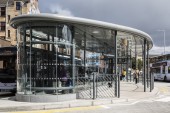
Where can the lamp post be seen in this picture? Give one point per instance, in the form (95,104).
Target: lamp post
(164,38)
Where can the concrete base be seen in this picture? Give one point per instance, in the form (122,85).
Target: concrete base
(45,98)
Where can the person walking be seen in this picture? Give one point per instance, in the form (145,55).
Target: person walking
(123,74)
(136,75)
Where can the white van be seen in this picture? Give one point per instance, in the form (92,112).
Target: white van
(161,70)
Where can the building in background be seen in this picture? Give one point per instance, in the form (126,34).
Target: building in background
(10,9)
(8,36)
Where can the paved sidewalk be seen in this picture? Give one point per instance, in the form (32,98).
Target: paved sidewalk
(129,92)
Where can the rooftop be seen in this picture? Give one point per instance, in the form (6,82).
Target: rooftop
(94,28)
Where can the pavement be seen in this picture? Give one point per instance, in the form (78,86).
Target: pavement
(129,92)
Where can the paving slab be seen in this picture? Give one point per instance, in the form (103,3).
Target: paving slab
(129,92)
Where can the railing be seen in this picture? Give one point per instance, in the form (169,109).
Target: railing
(91,87)
(95,86)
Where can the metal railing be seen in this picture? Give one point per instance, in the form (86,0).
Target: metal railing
(95,86)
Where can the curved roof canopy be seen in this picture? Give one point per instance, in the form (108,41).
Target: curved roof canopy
(94,27)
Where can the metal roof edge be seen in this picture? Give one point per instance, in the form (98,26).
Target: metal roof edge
(77,20)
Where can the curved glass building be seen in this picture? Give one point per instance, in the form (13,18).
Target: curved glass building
(57,55)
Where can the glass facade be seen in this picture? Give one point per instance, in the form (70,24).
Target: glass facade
(79,57)
(51,56)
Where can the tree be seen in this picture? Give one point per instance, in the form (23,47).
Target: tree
(139,62)
(133,63)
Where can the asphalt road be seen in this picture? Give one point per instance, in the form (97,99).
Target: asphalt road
(158,104)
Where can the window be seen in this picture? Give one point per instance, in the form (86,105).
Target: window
(9,18)
(18,5)
(169,69)
(156,70)
(163,70)
(2,37)
(2,11)
(8,33)
(2,26)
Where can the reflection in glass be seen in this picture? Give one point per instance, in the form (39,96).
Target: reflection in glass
(51,56)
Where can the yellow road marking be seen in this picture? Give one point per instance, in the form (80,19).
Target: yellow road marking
(164,90)
(61,110)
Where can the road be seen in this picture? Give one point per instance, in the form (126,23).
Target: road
(157,104)
(164,87)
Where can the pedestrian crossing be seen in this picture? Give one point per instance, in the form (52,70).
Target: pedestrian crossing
(163,94)
(163,90)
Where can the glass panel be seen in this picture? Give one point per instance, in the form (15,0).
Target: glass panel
(21,64)
(169,69)
(163,69)
(96,51)
(55,54)
(46,60)
(156,70)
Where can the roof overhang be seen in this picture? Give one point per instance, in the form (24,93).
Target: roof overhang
(16,21)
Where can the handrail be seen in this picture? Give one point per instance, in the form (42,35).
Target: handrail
(50,88)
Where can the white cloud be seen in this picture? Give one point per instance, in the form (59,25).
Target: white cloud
(156,50)
(60,10)
(148,15)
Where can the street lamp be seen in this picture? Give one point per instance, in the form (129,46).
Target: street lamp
(164,37)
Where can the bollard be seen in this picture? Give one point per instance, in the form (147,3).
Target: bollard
(93,86)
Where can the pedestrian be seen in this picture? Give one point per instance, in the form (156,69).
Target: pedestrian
(136,75)
(123,74)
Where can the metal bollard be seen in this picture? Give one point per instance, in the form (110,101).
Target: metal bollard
(93,86)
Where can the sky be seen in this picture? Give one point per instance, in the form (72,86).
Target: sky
(149,16)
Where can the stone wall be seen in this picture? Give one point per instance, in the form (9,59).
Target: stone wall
(11,10)
(4,43)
